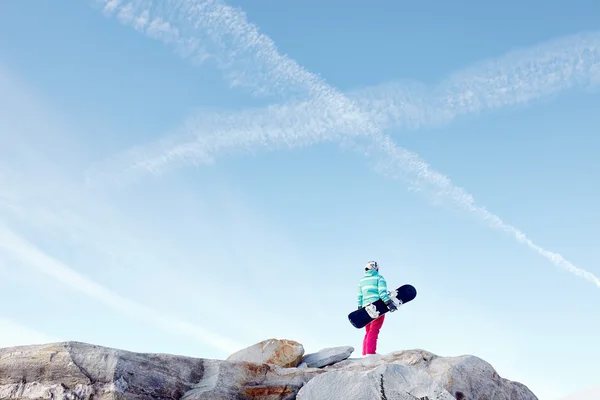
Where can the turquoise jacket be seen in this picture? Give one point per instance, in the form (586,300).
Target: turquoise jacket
(372,287)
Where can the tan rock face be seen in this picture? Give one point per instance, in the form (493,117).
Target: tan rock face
(280,352)
(84,372)
(79,371)
(226,380)
(416,373)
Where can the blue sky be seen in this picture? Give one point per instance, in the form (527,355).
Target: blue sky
(172,181)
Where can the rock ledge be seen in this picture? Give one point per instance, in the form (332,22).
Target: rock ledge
(81,371)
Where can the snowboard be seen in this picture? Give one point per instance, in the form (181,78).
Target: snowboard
(361,317)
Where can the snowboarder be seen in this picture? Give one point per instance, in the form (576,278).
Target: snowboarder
(373,287)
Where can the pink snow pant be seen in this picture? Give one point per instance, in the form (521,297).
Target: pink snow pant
(371,335)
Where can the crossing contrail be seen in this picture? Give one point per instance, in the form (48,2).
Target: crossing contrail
(202,30)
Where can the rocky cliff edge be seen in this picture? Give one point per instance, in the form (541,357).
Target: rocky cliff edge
(274,369)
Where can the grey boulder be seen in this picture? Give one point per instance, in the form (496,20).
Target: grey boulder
(327,356)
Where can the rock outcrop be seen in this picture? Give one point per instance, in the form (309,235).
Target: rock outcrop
(414,374)
(79,371)
(325,357)
(281,352)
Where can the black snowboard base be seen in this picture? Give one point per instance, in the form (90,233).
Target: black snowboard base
(363,316)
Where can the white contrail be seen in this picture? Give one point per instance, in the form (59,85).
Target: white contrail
(247,57)
(251,59)
(516,78)
(206,136)
(256,130)
(29,255)
(393,158)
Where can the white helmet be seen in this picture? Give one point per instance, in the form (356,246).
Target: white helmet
(372,265)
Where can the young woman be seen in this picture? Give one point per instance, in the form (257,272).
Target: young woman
(373,287)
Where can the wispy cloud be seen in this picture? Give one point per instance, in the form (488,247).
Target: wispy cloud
(206,136)
(202,29)
(516,78)
(395,159)
(251,59)
(27,253)
(245,133)
(248,58)
(161,256)
(513,79)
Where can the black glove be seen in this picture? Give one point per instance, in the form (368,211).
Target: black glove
(390,304)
